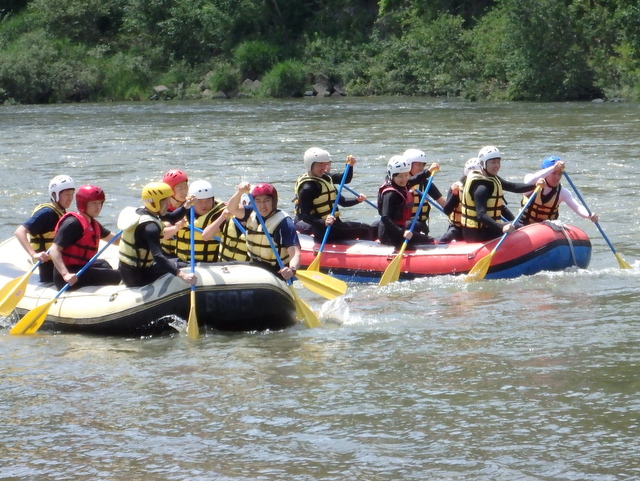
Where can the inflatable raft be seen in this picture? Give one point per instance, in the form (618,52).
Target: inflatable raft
(546,246)
(229,297)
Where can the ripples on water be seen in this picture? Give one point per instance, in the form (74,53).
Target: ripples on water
(531,378)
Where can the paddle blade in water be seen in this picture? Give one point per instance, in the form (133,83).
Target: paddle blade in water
(481,268)
(192,325)
(323,284)
(622,263)
(32,320)
(392,272)
(11,294)
(315,265)
(308,316)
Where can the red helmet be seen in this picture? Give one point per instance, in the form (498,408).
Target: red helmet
(174,177)
(88,193)
(266,189)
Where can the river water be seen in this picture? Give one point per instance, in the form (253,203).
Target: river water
(524,379)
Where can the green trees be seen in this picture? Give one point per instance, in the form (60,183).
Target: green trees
(72,50)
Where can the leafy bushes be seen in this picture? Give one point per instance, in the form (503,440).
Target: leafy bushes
(285,79)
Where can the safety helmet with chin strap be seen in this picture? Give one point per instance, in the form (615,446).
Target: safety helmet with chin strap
(174,177)
(265,189)
(397,165)
(88,193)
(315,154)
(487,153)
(549,161)
(201,189)
(58,184)
(414,155)
(472,164)
(153,193)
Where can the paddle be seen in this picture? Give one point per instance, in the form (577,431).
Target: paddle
(315,265)
(358,195)
(480,269)
(392,272)
(621,262)
(13,291)
(33,319)
(192,325)
(302,308)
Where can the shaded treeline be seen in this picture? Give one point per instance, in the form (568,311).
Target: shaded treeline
(73,50)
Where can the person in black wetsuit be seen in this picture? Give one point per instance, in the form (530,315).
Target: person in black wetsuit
(315,195)
(142,259)
(483,204)
(395,205)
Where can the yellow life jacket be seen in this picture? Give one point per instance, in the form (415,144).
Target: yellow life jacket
(234,243)
(426,206)
(128,252)
(204,251)
(42,242)
(258,245)
(324,202)
(169,245)
(543,207)
(469,216)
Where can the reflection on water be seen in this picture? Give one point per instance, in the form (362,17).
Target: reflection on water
(529,378)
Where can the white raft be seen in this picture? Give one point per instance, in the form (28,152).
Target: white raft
(229,297)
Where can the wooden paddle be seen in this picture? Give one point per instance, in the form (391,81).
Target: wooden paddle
(621,262)
(192,325)
(13,291)
(392,272)
(480,269)
(315,265)
(33,319)
(302,308)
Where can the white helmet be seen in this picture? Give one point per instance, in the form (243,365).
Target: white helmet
(58,184)
(201,189)
(487,153)
(472,164)
(315,154)
(397,165)
(414,155)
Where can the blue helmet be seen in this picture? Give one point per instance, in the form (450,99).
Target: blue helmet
(549,161)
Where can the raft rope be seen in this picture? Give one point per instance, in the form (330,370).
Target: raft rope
(560,227)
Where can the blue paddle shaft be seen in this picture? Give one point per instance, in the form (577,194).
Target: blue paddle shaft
(335,205)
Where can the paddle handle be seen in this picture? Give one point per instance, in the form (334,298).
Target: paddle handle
(335,205)
(267,235)
(358,195)
(575,189)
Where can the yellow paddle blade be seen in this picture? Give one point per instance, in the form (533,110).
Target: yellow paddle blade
(315,265)
(11,294)
(309,318)
(323,284)
(622,263)
(192,325)
(392,272)
(481,268)
(32,320)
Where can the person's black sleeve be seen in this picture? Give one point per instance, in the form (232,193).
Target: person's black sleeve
(481,196)
(307,192)
(451,203)
(150,236)
(391,202)
(516,187)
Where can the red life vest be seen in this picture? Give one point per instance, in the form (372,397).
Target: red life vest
(407,194)
(86,247)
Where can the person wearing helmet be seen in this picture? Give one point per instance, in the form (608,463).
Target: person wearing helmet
(279,225)
(482,199)
(141,258)
(207,210)
(233,242)
(395,206)
(179,183)
(452,206)
(76,241)
(315,195)
(417,182)
(546,204)
(36,233)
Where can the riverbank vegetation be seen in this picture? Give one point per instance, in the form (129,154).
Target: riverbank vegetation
(101,50)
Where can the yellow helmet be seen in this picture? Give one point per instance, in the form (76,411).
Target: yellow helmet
(153,193)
